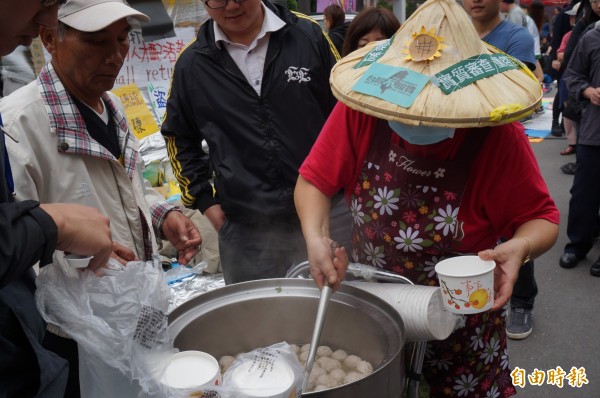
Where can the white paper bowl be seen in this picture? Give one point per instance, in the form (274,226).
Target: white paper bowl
(77,260)
(467,284)
(191,370)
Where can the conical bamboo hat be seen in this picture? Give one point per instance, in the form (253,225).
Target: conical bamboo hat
(460,82)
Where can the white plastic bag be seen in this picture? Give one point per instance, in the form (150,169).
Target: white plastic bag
(273,372)
(119,318)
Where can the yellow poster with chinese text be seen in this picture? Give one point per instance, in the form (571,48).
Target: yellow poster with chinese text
(138,115)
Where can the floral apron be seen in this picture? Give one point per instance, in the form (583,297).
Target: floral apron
(405,212)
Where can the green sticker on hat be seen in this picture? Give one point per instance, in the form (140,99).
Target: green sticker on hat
(374,54)
(472,69)
(397,85)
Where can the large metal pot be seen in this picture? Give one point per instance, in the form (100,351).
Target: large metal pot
(245,316)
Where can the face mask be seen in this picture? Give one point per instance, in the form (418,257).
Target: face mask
(421,135)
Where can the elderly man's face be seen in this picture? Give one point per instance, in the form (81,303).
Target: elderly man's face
(20,22)
(88,63)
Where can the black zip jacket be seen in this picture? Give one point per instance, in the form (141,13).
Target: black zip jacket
(27,235)
(337,36)
(256,143)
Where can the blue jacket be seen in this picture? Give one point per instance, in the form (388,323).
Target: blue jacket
(27,235)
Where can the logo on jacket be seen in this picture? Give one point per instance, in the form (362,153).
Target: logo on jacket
(296,74)
(84,190)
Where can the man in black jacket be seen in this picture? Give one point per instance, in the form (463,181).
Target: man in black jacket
(583,81)
(255,85)
(29,233)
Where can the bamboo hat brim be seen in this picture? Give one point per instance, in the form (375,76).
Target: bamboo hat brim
(440,44)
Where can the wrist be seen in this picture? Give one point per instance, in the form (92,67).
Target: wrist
(528,250)
(55,215)
(49,230)
(315,237)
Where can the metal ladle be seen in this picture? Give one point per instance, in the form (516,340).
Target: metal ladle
(319,321)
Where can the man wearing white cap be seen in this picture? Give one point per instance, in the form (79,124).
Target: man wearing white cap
(29,234)
(74,145)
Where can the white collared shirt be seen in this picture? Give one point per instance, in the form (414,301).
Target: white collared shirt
(251,59)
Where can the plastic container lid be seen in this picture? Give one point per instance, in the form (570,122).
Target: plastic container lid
(264,379)
(77,260)
(188,369)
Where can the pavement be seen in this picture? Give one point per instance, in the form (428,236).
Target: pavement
(566,313)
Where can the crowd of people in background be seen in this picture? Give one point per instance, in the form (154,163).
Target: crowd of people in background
(369,25)
(568,60)
(579,79)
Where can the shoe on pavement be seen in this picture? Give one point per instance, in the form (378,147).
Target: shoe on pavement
(519,324)
(568,168)
(557,129)
(569,150)
(595,270)
(570,260)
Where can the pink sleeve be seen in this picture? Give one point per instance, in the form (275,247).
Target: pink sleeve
(338,154)
(563,43)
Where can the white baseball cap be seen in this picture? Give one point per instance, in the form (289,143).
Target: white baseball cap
(95,15)
(573,11)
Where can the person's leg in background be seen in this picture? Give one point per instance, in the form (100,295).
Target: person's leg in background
(557,129)
(539,74)
(520,319)
(571,137)
(67,349)
(569,168)
(571,120)
(262,248)
(582,223)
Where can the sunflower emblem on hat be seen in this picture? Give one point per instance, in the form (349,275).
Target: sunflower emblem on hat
(424,46)
(436,72)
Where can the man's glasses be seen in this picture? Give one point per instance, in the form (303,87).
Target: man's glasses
(52,3)
(217,3)
(594,2)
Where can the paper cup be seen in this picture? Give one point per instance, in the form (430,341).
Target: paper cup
(77,260)
(264,380)
(420,307)
(467,284)
(192,370)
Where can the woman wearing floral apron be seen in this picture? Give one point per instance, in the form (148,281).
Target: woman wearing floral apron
(421,194)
